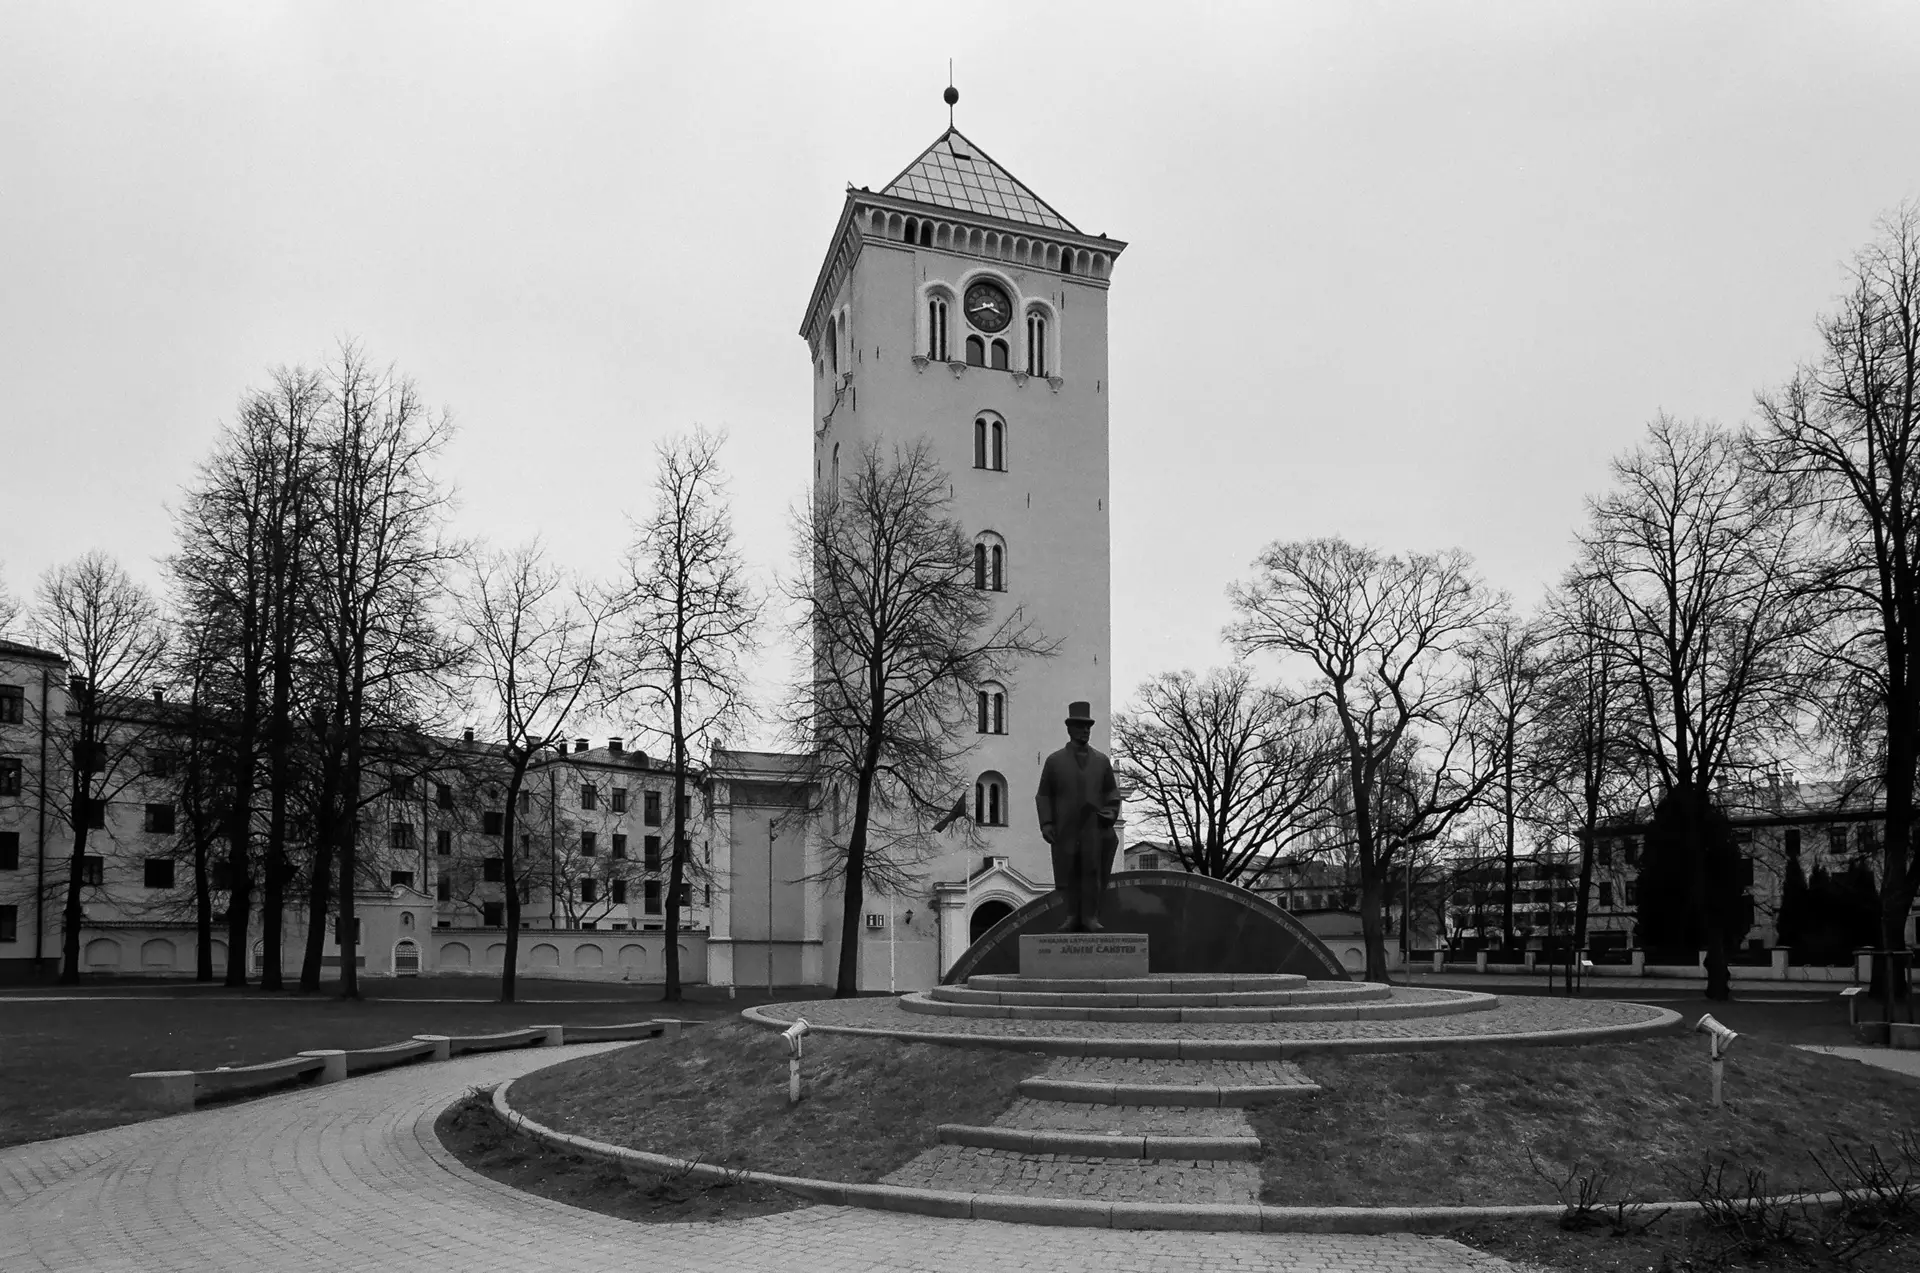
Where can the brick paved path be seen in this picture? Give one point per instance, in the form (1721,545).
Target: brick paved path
(352,1177)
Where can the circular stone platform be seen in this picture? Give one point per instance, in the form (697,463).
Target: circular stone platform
(1466,1019)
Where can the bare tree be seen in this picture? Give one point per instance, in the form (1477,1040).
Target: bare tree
(900,636)
(536,643)
(1232,774)
(1510,658)
(1848,424)
(376,561)
(1697,547)
(689,615)
(110,632)
(1384,639)
(9,607)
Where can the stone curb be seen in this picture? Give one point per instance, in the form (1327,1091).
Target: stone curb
(1019,1140)
(1212,1217)
(1242,1049)
(1197,1095)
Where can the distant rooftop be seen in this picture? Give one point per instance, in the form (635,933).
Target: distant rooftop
(20,651)
(954,173)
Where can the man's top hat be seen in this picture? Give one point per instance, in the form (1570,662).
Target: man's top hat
(1080,713)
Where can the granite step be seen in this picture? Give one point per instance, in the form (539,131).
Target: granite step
(1167,983)
(1125,1084)
(1389,1009)
(1337,992)
(1021,1140)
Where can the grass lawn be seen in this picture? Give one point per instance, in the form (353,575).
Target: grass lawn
(64,1063)
(1456,1127)
(720,1095)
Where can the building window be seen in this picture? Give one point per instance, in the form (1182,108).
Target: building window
(650,848)
(9,850)
(976,352)
(443,888)
(402,787)
(650,897)
(589,890)
(9,776)
(9,923)
(400,836)
(619,892)
(1147,862)
(96,814)
(997,355)
(619,795)
(686,810)
(493,914)
(160,764)
(937,328)
(443,842)
(13,699)
(399,878)
(443,795)
(589,798)
(491,822)
(989,564)
(1633,893)
(990,703)
(833,345)
(492,870)
(159,872)
(1632,854)
(990,800)
(619,845)
(526,801)
(589,844)
(159,819)
(1793,842)
(707,894)
(650,811)
(990,444)
(684,898)
(1037,344)
(1606,893)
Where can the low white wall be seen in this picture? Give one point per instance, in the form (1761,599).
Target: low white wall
(565,953)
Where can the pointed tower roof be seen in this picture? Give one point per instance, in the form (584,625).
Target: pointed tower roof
(955,173)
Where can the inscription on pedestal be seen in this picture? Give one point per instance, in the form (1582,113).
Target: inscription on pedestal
(1058,955)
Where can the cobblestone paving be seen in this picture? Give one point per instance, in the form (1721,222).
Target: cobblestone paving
(1512,1015)
(965,1169)
(352,1177)
(1129,1069)
(1124,1120)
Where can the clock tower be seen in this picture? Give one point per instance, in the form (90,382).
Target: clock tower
(957,306)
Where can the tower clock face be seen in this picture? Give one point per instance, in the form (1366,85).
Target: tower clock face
(988,307)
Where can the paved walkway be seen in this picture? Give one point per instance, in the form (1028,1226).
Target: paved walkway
(1900,1060)
(351,1176)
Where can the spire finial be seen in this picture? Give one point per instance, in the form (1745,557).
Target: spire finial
(952,94)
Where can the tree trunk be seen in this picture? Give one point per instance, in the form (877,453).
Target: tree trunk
(510,874)
(1897,887)
(203,914)
(347,939)
(239,902)
(320,882)
(847,982)
(676,872)
(74,915)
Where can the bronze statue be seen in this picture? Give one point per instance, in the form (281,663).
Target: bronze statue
(1079,803)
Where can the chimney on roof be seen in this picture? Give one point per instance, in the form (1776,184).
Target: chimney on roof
(579,744)
(157,696)
(616,745)
(468,735)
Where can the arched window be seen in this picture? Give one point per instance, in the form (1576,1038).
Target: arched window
(999,360)
(990,800)
(833,345)
(937,327)
(990,708)
(990,443)
(926,234)
(836,467)
(976,352)
(1037,344)
(989,563)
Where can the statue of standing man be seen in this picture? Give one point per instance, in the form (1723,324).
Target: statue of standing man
(1079,803)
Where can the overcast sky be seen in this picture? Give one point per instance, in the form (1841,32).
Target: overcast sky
(1405,273)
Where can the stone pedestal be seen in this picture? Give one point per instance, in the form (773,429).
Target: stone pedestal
(1083,955)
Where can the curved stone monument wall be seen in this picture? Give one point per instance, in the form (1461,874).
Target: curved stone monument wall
(1193,925)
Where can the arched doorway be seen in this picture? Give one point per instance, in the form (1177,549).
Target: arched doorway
(985,916)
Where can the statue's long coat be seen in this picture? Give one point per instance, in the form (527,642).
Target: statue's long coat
(1079,802)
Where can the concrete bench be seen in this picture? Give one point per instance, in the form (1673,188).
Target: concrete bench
(461,1044)
(179,1089)
(668,1028)
(367,1060)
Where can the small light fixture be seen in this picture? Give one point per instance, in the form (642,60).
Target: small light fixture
(909,917)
